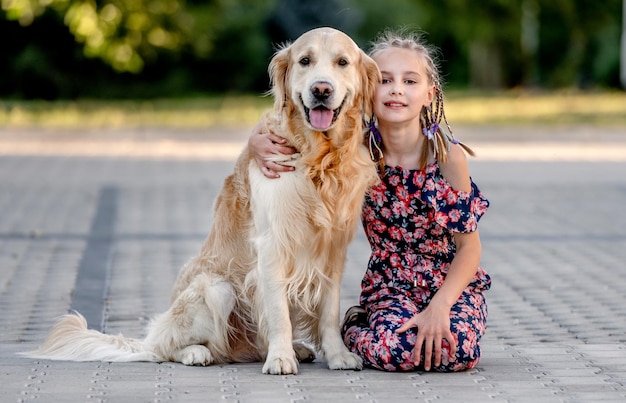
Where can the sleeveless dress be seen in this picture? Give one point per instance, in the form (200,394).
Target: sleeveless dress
(410,218)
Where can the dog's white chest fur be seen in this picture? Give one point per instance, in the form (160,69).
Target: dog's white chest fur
(282,208)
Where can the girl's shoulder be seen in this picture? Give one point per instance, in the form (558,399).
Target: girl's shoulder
(449,189)
(455,169)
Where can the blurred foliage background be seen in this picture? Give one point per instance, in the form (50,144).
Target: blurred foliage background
(133,49)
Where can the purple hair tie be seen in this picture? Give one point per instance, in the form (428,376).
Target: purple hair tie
(430,132)
(374,130)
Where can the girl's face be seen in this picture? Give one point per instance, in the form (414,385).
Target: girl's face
(405,87)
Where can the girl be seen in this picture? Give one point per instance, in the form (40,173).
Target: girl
(421,304)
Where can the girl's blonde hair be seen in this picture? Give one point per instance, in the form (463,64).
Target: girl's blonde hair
(431,116)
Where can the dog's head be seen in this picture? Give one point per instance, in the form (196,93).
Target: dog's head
(321,74)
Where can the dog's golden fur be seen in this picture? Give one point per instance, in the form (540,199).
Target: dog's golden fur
(269,273)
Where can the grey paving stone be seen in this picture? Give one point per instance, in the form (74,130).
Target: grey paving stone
(554,241)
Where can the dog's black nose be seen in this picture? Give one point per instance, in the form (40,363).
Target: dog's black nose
(321,90)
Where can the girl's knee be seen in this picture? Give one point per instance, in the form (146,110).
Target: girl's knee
(393,360)
(405,362)
(464,359)
(396,357)
(458,365)
(387,351)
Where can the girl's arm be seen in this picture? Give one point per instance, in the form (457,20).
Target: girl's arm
(434,322)
(263,146)
(468,247)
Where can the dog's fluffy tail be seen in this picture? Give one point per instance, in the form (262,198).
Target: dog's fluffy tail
(71,340)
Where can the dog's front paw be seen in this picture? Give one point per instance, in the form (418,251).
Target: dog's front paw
(345,360)
(280,366)
(195,355)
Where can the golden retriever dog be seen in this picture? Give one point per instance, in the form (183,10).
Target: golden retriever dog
(266,283)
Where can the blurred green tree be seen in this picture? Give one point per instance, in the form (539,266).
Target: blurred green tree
(579,42)
(125,48)
(127,33)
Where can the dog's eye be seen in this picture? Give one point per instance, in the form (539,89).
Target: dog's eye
(342,62)
(305,61)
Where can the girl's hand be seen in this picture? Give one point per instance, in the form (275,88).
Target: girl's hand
(433,326)
(266,149)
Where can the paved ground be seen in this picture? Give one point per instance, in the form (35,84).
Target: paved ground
(118,212)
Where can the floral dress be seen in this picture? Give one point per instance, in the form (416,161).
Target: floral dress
(409,219)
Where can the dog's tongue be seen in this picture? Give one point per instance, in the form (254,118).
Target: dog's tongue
(321,118)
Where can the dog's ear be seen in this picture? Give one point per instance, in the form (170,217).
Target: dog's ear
(278,69)
(370,77)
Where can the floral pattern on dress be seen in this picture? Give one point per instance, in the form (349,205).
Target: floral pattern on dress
(410,219)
